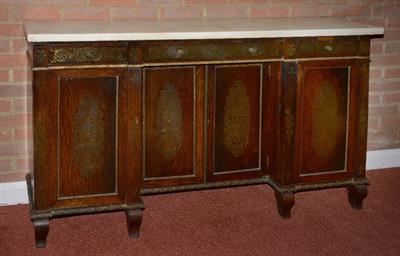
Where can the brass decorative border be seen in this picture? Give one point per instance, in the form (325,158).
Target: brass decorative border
(262,180)
(189,63)
(323,185)
(80,67)
(326,46)
(211,49)
(221,184)
(90,54)
(149,191)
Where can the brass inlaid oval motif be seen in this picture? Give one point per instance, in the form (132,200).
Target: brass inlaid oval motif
(169,122)
(237,119)
(88,137)
(325,120)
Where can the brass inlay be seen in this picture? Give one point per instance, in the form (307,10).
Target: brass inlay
(175,52)
(305,187)
(40,57)
(324,120)
(185,63)
(237,119)
(88,137)
(326,46)
(87,54)
(169,122)
(213,51)
(265,179)
(50,213)
(209,185)
(291,49)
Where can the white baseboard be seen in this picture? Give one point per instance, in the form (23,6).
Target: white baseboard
(381,159)
(15,192)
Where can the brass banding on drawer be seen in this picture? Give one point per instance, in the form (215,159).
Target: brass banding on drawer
(324,47)
(212,50)
(81,54)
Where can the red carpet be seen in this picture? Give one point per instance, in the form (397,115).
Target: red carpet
(234,221)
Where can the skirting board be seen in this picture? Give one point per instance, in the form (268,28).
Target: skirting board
(382,159)
(15,192)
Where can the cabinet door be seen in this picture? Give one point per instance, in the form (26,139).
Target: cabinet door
(87,153)
(325,120)
(173,103)
(239,120)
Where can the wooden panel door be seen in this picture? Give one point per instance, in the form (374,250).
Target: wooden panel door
(88,156)
(239,120)
(173,103)
(325,120)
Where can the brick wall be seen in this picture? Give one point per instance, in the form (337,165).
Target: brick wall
(15,95)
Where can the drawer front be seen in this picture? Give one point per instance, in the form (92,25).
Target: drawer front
(80,54)
(215,50)
(317,47)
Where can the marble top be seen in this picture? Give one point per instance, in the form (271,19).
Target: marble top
(128,30)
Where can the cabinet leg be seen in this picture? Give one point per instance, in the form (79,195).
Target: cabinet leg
(284,201)
(134,220)
(41,231)
(356,195)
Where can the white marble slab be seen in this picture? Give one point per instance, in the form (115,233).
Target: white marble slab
(124,30)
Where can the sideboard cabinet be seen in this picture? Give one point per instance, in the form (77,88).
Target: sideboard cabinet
(117,118)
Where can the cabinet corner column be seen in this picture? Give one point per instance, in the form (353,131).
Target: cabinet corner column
(287,111)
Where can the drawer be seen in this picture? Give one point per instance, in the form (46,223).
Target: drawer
(65,54)
(208,50)
(325,47)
